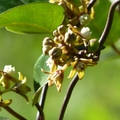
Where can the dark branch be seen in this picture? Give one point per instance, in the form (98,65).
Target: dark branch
(40,114)
(43,96)
(40,106)
(68,95)
(91,4)
(108,24)
(11,111)
(115,49)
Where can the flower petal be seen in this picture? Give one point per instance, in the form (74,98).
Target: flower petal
(72,73)
(81,74)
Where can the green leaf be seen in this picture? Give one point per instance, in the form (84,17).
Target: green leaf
(76,2)
(97,25)
(33,18)
(40,78)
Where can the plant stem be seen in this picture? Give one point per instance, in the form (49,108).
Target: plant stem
(14,113)
(40,114)
(40,106)
(115,49)
(4,91)
(68,95)
(90,5)
(108,24)
(43,96)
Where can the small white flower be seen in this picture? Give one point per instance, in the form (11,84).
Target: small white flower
(9,69)
(85,32)
(84,19)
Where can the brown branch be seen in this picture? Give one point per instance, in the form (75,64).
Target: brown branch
(108,24)
(40,105)
(115,49)
(11,111)
(67,97)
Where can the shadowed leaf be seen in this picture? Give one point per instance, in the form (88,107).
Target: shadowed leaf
(40,78)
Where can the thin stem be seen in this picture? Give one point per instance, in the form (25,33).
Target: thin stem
(40,106)
(68,95)
(14,113)
(43,96)
(4,91)
(115,49)
(108,23)
(90,5)
(40,114)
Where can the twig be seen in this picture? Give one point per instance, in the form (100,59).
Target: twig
(115,49)
(67,97)
(108,24)
(40,106)
(40,114)
(14,113)
(43,96)
(90,5)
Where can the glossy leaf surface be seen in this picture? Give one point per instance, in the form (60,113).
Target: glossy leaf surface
(33,18)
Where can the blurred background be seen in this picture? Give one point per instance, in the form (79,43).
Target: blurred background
(95,97)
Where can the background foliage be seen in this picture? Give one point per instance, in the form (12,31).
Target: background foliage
(95,97)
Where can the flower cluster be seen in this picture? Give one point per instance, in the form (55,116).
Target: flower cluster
(72,45)
(10,83)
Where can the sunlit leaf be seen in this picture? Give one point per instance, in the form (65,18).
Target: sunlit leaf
(33,18)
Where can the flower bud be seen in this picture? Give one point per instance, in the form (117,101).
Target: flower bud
(55,53)
(46,49)
(57,40)
(55,33)
(48,41)
(93,45)
(69,37)
(84,19)
(85,32)
(61,29)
